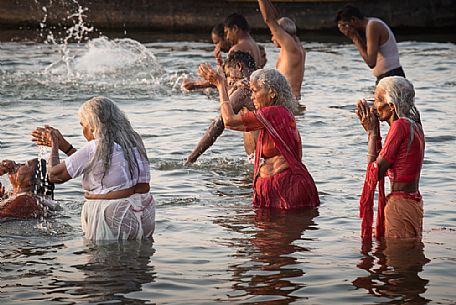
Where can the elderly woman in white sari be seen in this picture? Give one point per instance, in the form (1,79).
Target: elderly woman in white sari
(115,170)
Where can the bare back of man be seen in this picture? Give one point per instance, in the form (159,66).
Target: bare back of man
(291,63)
(292,56)
(248,45)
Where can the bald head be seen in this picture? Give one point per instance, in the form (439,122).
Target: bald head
(288,25)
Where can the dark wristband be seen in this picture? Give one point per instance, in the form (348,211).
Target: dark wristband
(68,150)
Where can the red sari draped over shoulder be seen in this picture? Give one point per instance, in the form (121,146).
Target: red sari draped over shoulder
(404,150)
(294,187)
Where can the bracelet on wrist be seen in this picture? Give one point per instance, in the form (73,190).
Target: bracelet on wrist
(68,149)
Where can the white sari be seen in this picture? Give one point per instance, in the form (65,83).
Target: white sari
(118,219)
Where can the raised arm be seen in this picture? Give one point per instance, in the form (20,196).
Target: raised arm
(230,119)
(371,125)
(41,136)
(270,17)
(268,11)
(52,137)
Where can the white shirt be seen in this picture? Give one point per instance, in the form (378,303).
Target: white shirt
(388,54)
(117,177)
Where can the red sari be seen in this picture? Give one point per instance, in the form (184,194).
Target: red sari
(294,187)
(404,150)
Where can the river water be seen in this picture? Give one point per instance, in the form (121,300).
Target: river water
(210,247)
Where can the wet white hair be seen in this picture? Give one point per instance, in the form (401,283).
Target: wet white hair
(274,80)
(288,25)
(400,93)
(110,125)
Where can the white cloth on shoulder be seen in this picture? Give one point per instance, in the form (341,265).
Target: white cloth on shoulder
(118,176)
(119,219)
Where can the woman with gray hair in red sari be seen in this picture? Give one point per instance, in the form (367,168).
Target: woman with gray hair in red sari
(400,214)
(281,180)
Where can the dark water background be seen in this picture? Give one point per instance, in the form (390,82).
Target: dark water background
(210,246)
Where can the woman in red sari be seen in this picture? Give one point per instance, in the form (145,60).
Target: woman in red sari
(281,180)
(400,214)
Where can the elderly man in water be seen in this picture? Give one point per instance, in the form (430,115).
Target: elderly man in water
(292,56)
(31,193)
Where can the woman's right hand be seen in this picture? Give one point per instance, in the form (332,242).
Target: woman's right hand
(47,136)
(367,117)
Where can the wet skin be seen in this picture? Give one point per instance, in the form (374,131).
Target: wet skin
(22,203)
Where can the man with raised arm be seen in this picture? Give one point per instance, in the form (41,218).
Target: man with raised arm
(292,56)
(379,50)
(237,33)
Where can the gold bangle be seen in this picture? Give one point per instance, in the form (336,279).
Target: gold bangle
(372,155)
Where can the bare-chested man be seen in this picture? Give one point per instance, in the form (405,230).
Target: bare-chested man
(292,56)
(238,67)
(221,45)
(237,33)
(31,193)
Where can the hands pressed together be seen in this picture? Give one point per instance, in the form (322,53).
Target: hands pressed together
(47,136)
(348,30)
(214,76)
(367,117)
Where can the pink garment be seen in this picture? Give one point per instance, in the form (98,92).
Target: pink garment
(294,187)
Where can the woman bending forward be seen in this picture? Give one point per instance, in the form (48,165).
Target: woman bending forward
(115,171)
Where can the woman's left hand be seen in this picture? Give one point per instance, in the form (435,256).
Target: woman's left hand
(47,136)
(367,117)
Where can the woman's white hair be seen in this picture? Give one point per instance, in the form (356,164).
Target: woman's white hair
(274,80)
(110,125)
(399,93)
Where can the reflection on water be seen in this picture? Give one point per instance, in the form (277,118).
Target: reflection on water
(272,267)
(393,268)
(241,257)
(112,271)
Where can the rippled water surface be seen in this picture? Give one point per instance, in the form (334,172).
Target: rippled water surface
(210,246)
